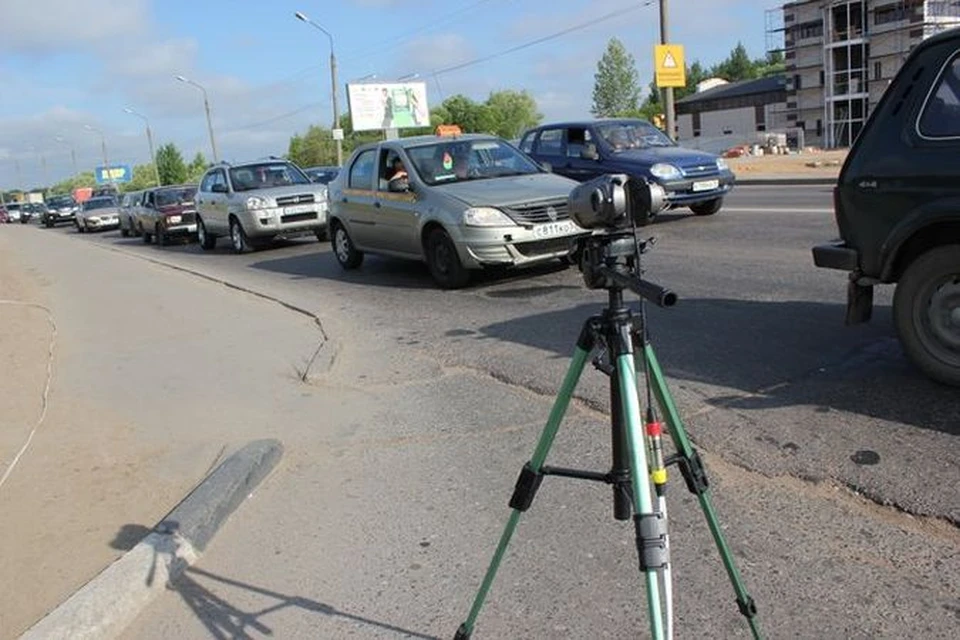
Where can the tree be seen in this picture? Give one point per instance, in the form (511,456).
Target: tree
(616,88)
(196,168)
(513,113)
(738,66)
(170,165)
(315,147)
(84,179)
(144,177)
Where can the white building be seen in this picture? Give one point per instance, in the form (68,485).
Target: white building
(841,55)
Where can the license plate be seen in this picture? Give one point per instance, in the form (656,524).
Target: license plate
(553,229)
(706,185)
(174,219)
(301,208)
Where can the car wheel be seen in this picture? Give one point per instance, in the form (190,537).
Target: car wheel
(124,232)
(206,241)
(444,262)
(238,237)
(147,237)
(79,227)
(48,225)
(321,235)
(161,236)
(707,208)
(926,312)
(343,248)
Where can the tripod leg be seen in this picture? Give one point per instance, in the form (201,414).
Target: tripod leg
(530,476)
(695,475)
(650,527)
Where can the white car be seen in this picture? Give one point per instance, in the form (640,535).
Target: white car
(13,211)
(96,214)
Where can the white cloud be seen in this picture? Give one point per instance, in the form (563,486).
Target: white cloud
(53,26)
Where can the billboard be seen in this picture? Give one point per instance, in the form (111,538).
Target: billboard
(388,105)
(113,173)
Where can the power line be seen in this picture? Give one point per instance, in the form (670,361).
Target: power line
(553,36)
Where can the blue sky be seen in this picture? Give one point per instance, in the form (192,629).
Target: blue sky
(69,63)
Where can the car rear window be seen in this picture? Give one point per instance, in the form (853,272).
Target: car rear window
(174,196)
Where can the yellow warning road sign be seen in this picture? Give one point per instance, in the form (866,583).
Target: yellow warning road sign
(670,68)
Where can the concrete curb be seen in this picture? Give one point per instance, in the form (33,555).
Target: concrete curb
(106,605)
(786,181)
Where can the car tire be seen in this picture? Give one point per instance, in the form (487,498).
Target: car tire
(926,306)
(321,235)
(147,237)
(160,236)
(79,226)
(238,237)
(48,225)
(444,262)
(124,232)
(206,241)
(343,248)
(707,208)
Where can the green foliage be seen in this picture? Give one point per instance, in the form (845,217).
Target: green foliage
(315,147)
(616,88)
(144,177)
(84,179)
(505,113)
(170,164)
(196,168)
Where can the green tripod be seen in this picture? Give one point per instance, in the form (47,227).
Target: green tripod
(622,336)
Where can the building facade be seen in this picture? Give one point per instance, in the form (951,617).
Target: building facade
(842,54)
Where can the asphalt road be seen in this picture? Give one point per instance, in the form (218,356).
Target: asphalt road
(835,463)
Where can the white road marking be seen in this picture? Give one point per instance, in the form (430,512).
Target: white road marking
(777,209)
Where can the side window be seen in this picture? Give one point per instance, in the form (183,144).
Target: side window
(207,182)
(551,142)
(577,137)
(362,170)
(219,177)
(526,145)
(941,113)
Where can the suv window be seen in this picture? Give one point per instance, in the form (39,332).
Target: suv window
(362,170)
(208,180)
(941,113)
(266,175)
(526,145)
(577,137)
(551,142)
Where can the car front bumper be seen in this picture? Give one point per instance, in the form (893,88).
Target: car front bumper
(836,255)
(181,229)
(278,222)
(693,191)
(480,247)
(101,223)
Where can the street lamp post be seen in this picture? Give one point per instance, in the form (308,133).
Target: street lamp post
(73,154)
(206,107)
(103,148)
(333,83)
(153,156)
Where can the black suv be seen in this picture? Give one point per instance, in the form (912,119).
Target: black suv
(897,204)
(585,150)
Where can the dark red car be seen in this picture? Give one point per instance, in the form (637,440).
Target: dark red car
(168,212)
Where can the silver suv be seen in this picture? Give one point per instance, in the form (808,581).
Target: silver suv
(255,202)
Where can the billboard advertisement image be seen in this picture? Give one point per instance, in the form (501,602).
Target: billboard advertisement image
(386,105)
(113,173)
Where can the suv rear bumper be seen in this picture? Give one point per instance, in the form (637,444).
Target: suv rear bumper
(836,255)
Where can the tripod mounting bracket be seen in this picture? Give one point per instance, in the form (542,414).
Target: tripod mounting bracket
(526,488)
(652,541)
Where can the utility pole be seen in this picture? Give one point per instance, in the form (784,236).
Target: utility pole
(333,83)
(668,111)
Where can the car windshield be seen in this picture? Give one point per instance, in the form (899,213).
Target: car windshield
(322,176)
(99,203)
(622,136)
(266,176)
(13,206)
(61,201)
(174,196)
(459,160)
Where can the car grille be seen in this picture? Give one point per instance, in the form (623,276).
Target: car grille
(700,170)
(539,212)
(188,217)
(544,247)
(299,217)
(303,198)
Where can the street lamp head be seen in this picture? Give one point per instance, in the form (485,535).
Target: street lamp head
(88,127)
(300,16)
(128,110)
(182,79)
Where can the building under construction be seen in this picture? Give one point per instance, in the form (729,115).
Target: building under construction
(842,54)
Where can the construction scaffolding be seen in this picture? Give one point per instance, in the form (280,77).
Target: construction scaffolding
(841,55)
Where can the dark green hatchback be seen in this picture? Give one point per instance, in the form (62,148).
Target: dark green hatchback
(897,205)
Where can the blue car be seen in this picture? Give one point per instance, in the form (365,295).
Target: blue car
(585,150)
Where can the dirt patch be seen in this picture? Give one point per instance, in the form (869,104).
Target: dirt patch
(813,164)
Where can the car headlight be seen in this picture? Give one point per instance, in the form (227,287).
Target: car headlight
(664,171)
(256,202)
(722,165)
(486,217)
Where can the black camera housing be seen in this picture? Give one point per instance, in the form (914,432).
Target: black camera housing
(615,202)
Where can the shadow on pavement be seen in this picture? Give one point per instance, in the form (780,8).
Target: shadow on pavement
(777,353)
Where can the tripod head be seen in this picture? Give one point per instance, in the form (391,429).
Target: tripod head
(611,260)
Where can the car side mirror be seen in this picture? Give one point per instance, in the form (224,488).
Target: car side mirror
(547,166)
(218,188)
(589,152)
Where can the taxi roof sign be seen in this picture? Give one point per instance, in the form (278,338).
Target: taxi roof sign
(448,130)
